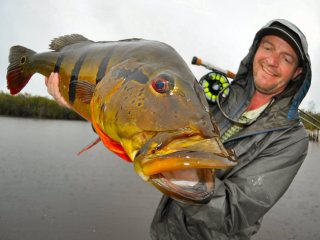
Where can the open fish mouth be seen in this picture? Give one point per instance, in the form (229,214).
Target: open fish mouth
(187,174)
(192,185)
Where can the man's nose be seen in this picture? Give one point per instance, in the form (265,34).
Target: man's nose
(273,59)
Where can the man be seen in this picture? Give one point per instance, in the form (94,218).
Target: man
(259,121)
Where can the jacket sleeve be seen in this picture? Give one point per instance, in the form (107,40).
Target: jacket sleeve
(240,200)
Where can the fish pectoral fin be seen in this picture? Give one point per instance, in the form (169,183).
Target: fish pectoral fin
(95,142)
(60,42)
(84,90)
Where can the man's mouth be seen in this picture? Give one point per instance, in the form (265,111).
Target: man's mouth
(268,71)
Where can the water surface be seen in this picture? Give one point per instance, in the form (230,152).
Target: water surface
(47,192)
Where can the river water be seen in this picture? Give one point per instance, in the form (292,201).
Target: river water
(48,192)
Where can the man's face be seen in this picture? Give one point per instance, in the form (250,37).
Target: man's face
(274,65)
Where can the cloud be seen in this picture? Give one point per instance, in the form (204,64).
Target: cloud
(218,31)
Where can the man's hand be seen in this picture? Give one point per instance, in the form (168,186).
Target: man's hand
(52,84)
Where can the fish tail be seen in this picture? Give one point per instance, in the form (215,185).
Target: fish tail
(19,72)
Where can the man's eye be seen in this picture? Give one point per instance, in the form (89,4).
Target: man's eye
(267,46)
(288,60)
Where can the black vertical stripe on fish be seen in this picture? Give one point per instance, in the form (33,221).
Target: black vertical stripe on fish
(131,74)
(139,76)
(103,66)
(74,77)
(58,62)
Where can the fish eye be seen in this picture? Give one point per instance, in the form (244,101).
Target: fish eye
(162,84)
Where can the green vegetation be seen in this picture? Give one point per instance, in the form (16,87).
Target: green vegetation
(26,105)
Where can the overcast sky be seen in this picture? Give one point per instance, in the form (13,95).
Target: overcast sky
(220,32)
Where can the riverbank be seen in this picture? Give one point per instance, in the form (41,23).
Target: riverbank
(314,135)
(28,106)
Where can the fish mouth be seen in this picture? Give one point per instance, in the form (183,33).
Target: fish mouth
(191,185)
(184,169)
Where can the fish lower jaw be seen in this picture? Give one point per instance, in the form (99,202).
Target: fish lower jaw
(143,176)
(184,176)
(194,186)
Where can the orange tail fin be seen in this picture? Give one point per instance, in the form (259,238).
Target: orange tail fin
(18,73)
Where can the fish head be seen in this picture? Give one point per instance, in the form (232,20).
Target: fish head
(161,119)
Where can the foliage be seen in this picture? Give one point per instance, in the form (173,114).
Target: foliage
(26,105)
(311,120)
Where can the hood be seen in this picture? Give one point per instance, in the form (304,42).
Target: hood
(290,99)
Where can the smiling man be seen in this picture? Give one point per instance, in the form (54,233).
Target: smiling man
(259,120)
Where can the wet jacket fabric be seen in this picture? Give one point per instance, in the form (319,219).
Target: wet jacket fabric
(270,153)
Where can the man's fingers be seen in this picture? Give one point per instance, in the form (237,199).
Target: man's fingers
(46,81)
(52,84)
(56,92)
(55,86)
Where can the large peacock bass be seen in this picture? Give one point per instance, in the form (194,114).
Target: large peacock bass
(144,103)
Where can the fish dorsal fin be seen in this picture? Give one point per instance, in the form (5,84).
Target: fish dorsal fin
(84,90)
(60,42)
